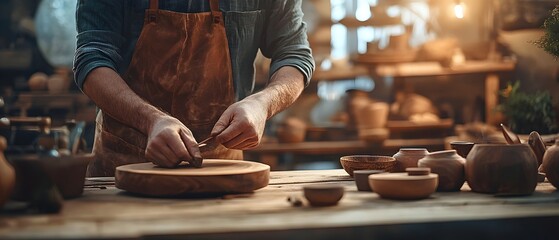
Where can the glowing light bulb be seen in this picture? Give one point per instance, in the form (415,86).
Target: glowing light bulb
(459,10)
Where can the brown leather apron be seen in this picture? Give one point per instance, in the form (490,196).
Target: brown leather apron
(181,65)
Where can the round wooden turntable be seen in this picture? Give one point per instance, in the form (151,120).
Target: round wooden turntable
(216,176)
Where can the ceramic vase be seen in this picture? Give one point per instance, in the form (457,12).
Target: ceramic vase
(7,175)
(408,157)
(356,99)
(449,166)
(550,164)
(502,169)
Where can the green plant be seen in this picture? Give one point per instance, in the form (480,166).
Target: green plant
(550,40)
(528,112)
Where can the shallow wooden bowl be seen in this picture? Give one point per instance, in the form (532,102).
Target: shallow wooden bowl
(403,186)
(367,162)
(322,195)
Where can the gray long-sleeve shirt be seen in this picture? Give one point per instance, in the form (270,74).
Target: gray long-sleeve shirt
(108,31)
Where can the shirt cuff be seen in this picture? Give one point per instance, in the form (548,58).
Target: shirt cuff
(305,68)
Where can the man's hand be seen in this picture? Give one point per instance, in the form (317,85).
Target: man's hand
(241,126)
(170,142)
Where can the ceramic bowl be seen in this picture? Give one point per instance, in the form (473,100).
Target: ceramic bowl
(362,179)
(462,147)
(367,162)
(403,186)
(66,172)
(322,195)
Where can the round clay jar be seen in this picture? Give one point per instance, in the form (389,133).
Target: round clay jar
(449,166)
(502,169)
(550,164)
(408,157)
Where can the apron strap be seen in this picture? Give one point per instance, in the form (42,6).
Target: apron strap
(152,11)
(153,4)
(214,7)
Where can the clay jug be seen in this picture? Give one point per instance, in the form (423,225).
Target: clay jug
(449,166)
(356,99)
(408,157)
(7,174)
(550,164)
(502,169)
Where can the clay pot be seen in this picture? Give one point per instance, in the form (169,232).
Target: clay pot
(408,157)
(322,195)
(66,172)
(550,164)
(502,169)
(372,115)
(292,130)
(7,175)
(367,162)
(355,100)
(462,147)
(412,185)
(448,165)
(361,178)
(38,81)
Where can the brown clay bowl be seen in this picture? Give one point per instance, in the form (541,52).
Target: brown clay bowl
(66,172)
(402,186)
(322,195)
(362,179)
(367,162)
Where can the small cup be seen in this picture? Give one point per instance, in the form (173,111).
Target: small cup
(362,179)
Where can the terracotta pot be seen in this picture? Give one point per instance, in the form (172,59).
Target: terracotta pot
(322,195)
(408,157)
(66,172)
(449,166)
(38,81)
(355,100)
(502,169)
(372,115)
(292,130)
(416,184)
(550,164)
(7,175)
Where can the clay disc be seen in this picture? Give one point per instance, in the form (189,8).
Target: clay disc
(215,177)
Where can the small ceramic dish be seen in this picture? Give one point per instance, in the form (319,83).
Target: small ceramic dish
(367,162)
(416,183)
(362,179)
(322,195)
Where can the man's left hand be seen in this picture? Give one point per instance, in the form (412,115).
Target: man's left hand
(241,126)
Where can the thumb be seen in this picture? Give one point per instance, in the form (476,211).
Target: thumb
(222,123)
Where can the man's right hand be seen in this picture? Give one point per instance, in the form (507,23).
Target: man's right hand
(170,142)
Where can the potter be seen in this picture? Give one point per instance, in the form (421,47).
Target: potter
(187,76)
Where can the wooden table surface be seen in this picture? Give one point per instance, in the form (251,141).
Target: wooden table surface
(104,212)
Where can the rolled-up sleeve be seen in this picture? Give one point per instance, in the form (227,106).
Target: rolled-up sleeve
(285,40)
(99,41)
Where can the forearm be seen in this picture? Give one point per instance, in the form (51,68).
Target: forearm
(284,87)
(112,95)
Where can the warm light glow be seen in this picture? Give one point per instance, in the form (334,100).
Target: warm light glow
(459,10)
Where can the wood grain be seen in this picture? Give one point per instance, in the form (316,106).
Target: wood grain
(106,213)
(215,176)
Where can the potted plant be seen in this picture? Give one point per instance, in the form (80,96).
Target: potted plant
(550,40)
(527,112)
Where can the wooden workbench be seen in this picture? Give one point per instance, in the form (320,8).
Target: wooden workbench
(106,212)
